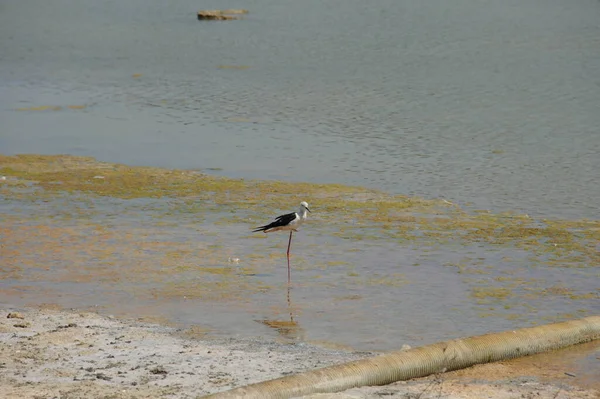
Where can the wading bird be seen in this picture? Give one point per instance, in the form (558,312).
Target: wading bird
(289,221)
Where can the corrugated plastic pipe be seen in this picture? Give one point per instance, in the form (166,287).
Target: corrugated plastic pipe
(423,361)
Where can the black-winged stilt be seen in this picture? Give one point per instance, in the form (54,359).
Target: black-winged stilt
(289,221)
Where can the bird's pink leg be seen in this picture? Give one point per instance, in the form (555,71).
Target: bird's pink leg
(288,258)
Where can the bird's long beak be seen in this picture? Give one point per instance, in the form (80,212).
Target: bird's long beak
(308,209)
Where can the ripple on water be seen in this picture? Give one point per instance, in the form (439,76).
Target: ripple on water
(497,110)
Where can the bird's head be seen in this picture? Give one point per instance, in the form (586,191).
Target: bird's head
(304,205)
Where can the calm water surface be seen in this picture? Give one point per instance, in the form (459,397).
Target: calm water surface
(488,103)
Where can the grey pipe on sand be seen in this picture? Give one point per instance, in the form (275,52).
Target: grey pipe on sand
(423,361)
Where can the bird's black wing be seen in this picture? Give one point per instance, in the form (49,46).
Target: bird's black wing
(280,221)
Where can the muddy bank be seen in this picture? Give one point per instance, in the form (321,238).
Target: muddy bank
(50,353)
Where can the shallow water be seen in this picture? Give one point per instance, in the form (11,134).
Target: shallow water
(163,260)
(481,102)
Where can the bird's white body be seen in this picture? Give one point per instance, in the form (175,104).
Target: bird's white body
(288,222)
(301,216)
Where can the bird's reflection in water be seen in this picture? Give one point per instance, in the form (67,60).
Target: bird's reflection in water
(288,329)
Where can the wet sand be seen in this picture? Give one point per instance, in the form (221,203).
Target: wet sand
(51,353)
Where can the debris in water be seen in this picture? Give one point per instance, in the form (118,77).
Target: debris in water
(220,15)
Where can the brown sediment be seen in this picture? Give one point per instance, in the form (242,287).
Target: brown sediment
(285,328)
(51,108)
(41,108)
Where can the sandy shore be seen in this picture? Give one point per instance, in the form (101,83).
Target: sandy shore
(49,353)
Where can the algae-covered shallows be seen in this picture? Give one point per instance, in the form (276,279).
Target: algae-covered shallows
(360,215)
(358,211)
